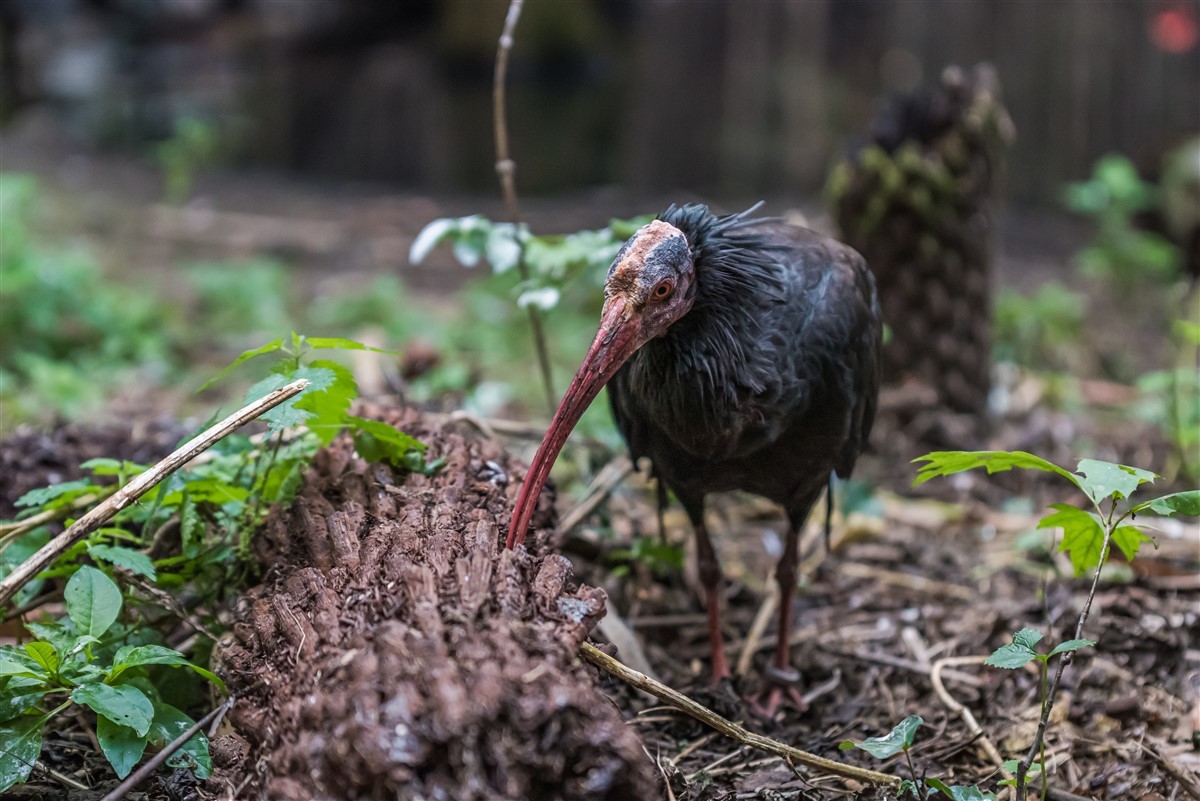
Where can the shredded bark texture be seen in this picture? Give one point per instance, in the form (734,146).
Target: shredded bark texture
(396,650)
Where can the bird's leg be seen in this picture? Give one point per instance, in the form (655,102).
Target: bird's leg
(782,678)
(710,579)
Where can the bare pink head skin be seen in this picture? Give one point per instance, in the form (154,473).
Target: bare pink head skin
(649,287)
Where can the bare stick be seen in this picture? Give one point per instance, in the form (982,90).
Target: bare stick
(727,727)
(145,771)
(608,480)
(935,678)
(506,170)
(1063,661)
(139,486)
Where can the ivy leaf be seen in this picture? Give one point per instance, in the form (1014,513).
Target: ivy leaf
(22,739)
(127,558)
(170,723)
(944,463)
(1071,645)
(271,347)
(129,656)
(124,705)
(64,493)
(93,601)
(121,745)
(1183,503)
(1105,479)
(890,744)
(1083,536)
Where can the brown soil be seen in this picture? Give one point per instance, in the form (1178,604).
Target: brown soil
(395,650)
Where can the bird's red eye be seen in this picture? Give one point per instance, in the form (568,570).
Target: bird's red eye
(663,289)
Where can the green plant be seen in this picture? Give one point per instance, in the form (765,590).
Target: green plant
(1041,330)
(66,334)
(191,146)
(1121,252)
(1018,654)
(1170,399)
(85,660)
(1088,536)
(900,739)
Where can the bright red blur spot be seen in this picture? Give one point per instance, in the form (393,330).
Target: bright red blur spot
(1174,29)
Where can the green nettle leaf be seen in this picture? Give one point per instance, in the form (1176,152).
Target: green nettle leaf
(120,744)
(93,601)
(44,654)
(170,723)
(43,496)
(21,740)
(340,343)
(285,415)
(1083,536)
(1183,503)
(890,744)
(124,705)
(1105,479)
(379,442)
(944,463)
(1028,638)
(129,656)
(271,347)
(1129,539)
(329,402)
(113,467)
(1071,645)
(1010,656)
(127,558)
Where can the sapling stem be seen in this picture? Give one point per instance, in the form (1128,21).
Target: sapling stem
(506,170)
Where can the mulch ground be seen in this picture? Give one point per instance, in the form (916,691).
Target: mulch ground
(393,650)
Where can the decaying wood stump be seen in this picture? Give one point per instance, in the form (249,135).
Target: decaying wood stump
(395,650)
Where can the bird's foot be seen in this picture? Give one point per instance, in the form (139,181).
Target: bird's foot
(782,683)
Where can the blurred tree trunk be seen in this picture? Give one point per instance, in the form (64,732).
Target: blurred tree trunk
(916,202)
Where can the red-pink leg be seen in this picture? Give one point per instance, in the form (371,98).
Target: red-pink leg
(783,679)
(710,578)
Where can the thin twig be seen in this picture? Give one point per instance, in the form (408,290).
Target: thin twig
(605,482)
(506,170)
(144,772)
(1063,661)
(61,778)
(954,705)
(139,486)
(727,727)
(1179,774)
(10,531)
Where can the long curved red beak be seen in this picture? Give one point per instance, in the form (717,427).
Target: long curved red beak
(616,340)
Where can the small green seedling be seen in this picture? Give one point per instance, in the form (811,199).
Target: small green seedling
(79,662)
(900,739)
(1019,653)
(1088,537)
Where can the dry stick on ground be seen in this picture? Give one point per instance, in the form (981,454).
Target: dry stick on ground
(139,487)
(1063,661)
(1179,774)
(145,771)
(727,727)
(605,482)
(954,705)
(506,170)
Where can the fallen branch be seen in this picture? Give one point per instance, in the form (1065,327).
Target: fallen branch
(727,727)
(139,486)
(145,771)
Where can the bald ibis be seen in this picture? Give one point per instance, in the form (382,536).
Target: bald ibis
(741,353)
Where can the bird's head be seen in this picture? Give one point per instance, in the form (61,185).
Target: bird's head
(650,285)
